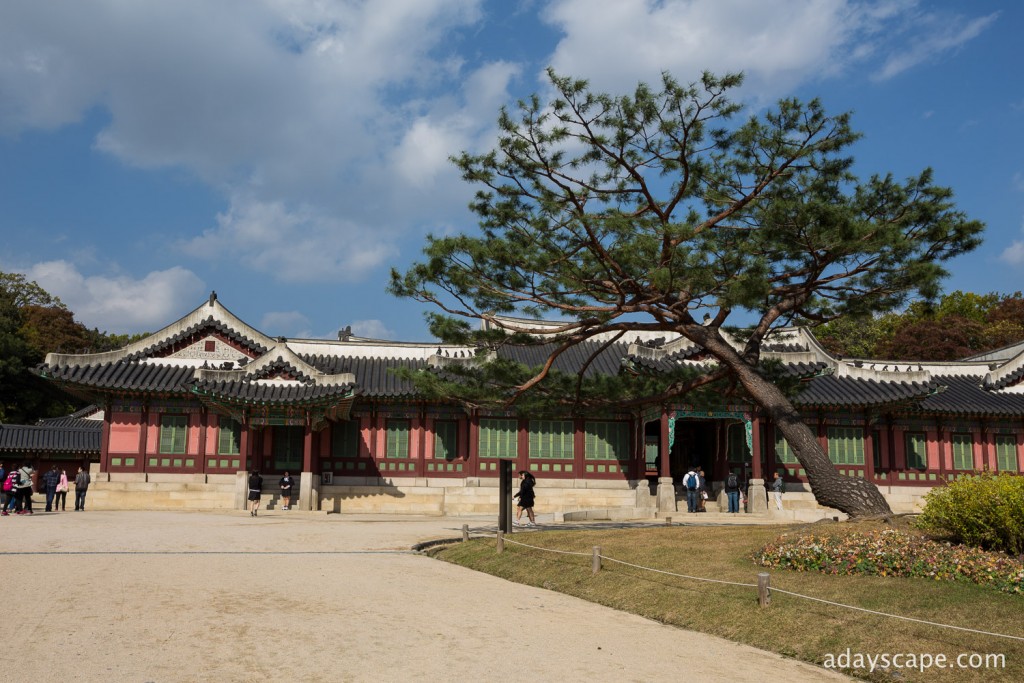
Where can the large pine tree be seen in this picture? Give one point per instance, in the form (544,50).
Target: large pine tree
(646,212)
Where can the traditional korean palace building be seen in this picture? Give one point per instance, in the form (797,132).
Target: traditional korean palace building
(188,410)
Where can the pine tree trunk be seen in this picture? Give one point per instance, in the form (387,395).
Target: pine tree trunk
(855,496)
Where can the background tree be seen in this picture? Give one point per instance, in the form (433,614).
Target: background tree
(959,325)
(644,212)
(33,323)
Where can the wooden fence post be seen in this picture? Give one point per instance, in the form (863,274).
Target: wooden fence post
(465,533)
(764,589)
(595,562)
(501,541)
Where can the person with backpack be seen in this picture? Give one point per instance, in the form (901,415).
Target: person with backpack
(10,489)
(732,490)
(691,482)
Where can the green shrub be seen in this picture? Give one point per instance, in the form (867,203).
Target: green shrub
(985,511)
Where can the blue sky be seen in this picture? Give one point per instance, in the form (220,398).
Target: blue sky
(288,153)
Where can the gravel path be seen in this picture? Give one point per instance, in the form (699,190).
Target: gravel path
(292,596)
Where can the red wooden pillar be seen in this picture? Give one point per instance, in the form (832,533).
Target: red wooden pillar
(755,461)
(204,418)
(243,448)
(144,437)
(869,450)
(105,440)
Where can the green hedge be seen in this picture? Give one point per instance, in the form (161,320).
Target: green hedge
(985,511)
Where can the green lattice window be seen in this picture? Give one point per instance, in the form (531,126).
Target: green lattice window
(288,445)
(963,451)
(499,438)
(397,438)
(736,439)
(446,439)
(607,441)
(917,453)
(783,451)
(173,434)
(229,437)
(846,445)
(1006,452)
(551,439)
(345,439)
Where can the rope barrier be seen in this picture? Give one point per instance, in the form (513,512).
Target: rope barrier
(777,590)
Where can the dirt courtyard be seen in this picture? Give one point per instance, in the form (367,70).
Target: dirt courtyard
(293,596)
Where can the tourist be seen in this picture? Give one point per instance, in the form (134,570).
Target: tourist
(691,484)
(24,490)
(10,490)
(50,481)
(286,491)
(702,487)
(777,488)
(61,500)
(526,498)
(82,481)
(732,491)
(255,492)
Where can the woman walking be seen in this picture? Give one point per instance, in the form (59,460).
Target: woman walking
(255,492)
(526,498)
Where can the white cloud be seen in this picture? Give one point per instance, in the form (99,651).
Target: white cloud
(120,303)
(371,329)
(778,44)
(285,323)
(1013,254)
(299,244)
(940,34)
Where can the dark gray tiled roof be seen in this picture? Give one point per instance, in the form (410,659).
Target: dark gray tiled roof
(829,390)
(965,396)
(50,439)
(271,393)
(374,376)
(123,375)
(607,362)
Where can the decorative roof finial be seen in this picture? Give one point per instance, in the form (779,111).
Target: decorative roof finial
(213,297)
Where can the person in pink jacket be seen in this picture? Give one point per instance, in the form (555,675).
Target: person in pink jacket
(60,501)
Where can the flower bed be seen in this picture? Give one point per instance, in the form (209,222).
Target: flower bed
(894,553)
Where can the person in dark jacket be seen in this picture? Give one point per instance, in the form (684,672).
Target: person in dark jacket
(286,484)
(50,480)
(732,490)
(525,496)
(82,481)
(255,492)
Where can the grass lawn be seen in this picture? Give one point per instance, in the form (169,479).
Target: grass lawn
(807,630)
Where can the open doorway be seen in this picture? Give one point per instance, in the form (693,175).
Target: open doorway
(695,445)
